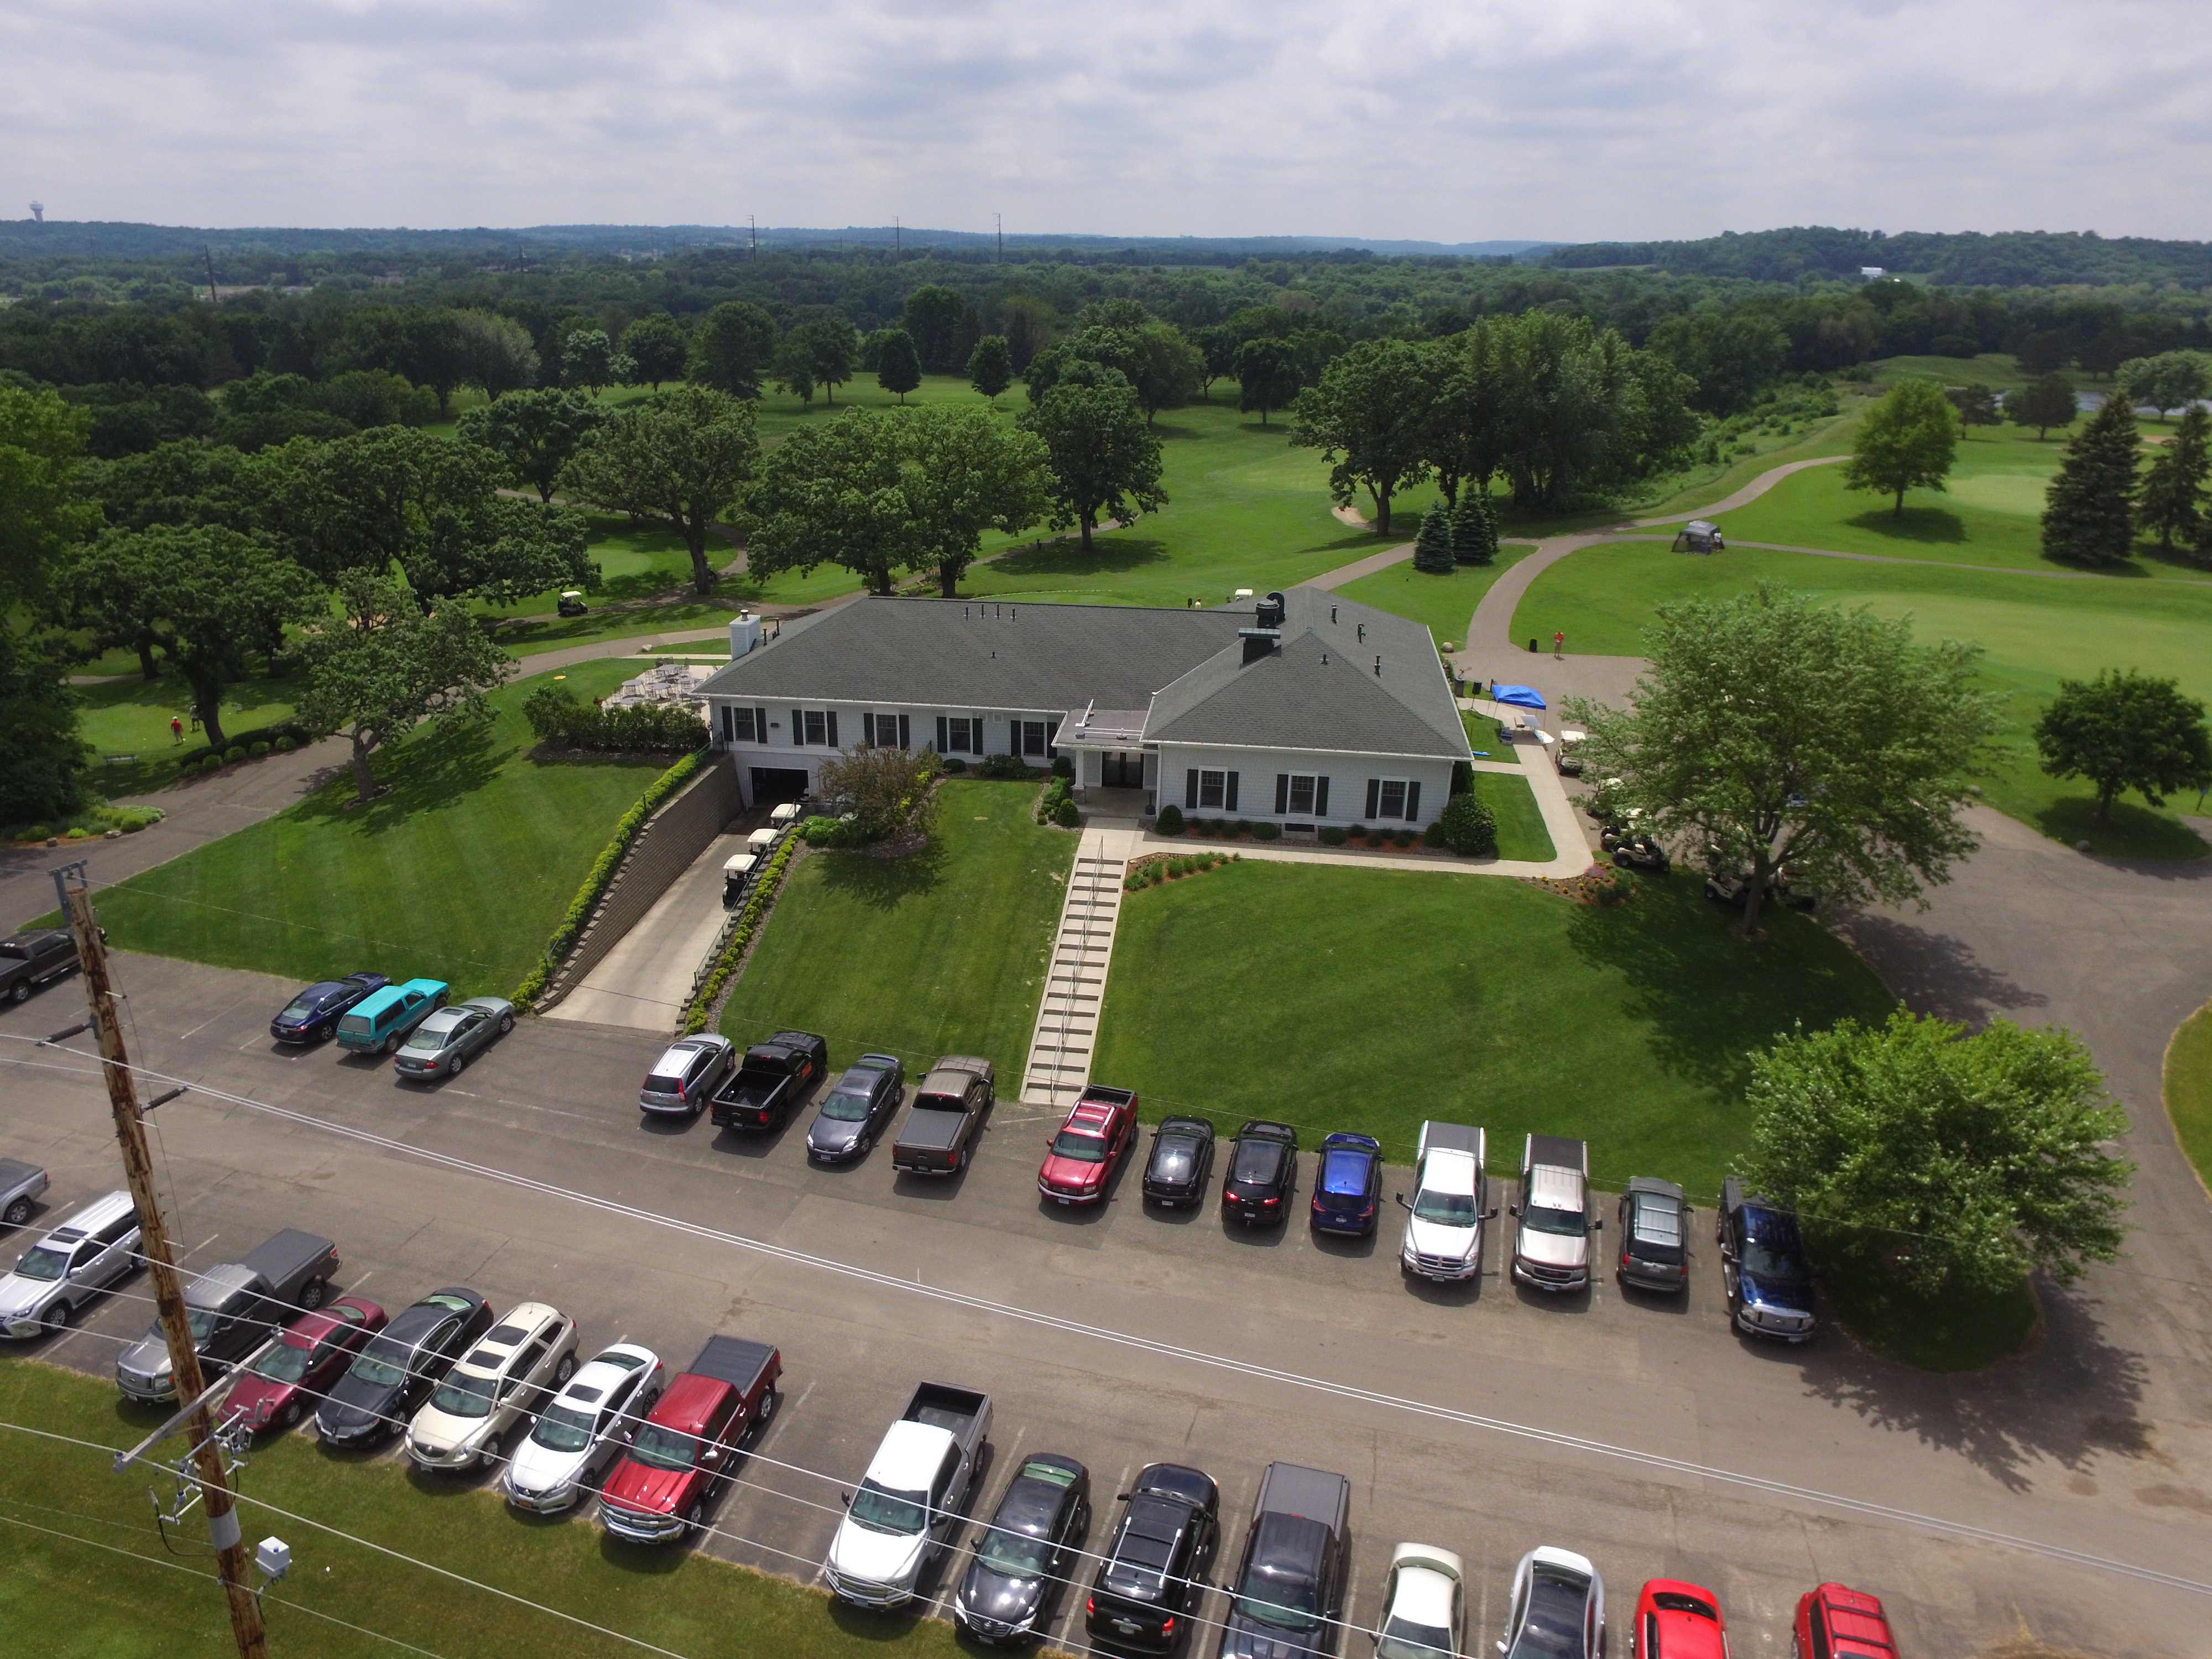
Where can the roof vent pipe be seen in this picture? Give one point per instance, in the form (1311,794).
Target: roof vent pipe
(1270,611)
(1378,668)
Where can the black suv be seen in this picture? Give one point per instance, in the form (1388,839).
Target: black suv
(1763,1267)
(1152,1575)
(1263,1174)
(31,959)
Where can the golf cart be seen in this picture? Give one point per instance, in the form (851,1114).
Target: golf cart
(737,876)
(1635,852)
(572,603)
(1568,761)
(1699,536)
(1729,890)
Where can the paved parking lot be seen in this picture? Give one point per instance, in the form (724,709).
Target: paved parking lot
(1121,1337)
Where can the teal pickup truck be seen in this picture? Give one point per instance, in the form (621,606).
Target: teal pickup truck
(381,1020)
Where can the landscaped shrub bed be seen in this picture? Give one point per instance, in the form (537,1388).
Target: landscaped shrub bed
(561,719)
(1156,867)
(733,950)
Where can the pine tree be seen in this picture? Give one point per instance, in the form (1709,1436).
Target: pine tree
(1432,549)
(2172,500)
(1474,529)
(2088,515)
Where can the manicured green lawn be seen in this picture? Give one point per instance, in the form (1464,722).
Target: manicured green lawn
(1521,832)
(1443,604)
(1997,370)
(459,873)
(2189,1089)
(88,1602)
(127,723)
(942,952)
(1341,998)
(2036,629)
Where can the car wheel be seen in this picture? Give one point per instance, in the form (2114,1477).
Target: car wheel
(289,1417)
(454,1068)
(564,1371)
(491,1449)
(19,1213)
(388,1044)
(767,1408)
(695,1517)
(311,1298)
(505,1023)
(326,1031)
(58,1318)
(20,991)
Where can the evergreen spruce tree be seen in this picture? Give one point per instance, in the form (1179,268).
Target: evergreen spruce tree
(2088,515)
(1432,548)
(1474,529)
(2172,500)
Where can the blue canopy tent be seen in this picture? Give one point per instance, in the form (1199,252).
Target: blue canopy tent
(1520,696)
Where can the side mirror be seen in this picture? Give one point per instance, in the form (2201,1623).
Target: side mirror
(1513,1209)
(845,1499)
(1122,1496)
(1491,1214)
(1501,1646)
(1598,1225)
(1403,1206)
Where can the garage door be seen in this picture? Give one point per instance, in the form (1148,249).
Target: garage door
(774,785)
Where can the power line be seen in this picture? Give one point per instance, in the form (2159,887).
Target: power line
(1132,1342)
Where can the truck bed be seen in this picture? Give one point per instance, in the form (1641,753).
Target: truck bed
(1557,1152)
(942,1406)
(929,1131)
(734,1360)
(290,1258)
(1451,1137)
(1291,1489)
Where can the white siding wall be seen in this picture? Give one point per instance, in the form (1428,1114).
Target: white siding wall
(1257,770)
(781,752)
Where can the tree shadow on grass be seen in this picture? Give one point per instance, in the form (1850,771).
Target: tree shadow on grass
(1914,524)
(1117,552)
(433,769)
(1706,997)
(883,883)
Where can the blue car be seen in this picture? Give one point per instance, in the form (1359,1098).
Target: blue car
(1348,1190)
(312,1016)
(1763,1267)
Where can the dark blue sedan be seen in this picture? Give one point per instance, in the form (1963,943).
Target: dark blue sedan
(1348,1190)
(312,1016)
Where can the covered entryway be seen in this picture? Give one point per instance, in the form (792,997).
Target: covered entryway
(1121,768)
(772,786)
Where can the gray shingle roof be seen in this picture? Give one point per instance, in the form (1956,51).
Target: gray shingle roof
(1320,690)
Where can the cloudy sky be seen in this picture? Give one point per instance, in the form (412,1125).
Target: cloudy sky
(1558,119)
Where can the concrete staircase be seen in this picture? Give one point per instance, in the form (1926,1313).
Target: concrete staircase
(1075,984)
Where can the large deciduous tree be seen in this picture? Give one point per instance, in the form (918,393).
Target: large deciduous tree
(2171,379)
(1777,731)
(1369,416)
(991,367)
(658,348)
(794,367)
(43,761)
(832,346)
(1967,1160)
(732,349)
(2171,498)
(2126,730)
(1730,355)
(682,458)
(898,364)
(1268,376)
(932,320)
(496,353)
(591,360)
(2088,510)
(1105,461)
(42,441)
(2044,402)
(534,434)
(1907,442)
(375,680)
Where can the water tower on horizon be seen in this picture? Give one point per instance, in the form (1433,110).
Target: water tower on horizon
(38,212)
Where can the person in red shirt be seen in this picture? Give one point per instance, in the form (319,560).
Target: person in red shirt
(176,728)
(1559,643)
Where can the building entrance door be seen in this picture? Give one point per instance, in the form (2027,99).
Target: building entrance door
(1121,768)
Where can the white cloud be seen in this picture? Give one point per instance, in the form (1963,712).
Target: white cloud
(1554,118)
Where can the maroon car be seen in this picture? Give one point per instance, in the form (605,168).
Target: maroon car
(288,1379)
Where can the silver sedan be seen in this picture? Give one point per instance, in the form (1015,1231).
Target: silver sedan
(450,1038)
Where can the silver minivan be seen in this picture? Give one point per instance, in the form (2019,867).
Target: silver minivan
(57,1276)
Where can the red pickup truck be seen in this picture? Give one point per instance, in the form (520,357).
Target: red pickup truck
(685,1450)
(1082,1157)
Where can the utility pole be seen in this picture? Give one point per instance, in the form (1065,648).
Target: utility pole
(214,298)
(898,239)
(1001,258)
(753,226)
(160,1262)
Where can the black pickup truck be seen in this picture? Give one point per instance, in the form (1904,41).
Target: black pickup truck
(1289,1587)
(234,1307)
(773,1078)
(938,1136)
(30,959)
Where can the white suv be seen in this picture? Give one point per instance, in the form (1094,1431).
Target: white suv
(57,1276)
(476,1409)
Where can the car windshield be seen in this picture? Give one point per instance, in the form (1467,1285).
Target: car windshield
(302,1007)
(464,1395)
(383,1364)
(1554,1623)
(432,1033)
(43,1262)
(1539,1220)
(1257,1160)
(881,1509)
(564,1429)
(1404,1639)
(1174,1158)
(1016,1554)
(845,1107)
(1780,1267)
(1284,1600)
(285,1363)
(1079,1147)
(202,1320)
(1446,1209)
(664,1449)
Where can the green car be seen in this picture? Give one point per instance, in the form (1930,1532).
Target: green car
(450,1038)
(376,1023)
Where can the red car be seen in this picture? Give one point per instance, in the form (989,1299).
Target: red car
(1834,1622)
(1677,1620)
(1098,1131)
(289,1378)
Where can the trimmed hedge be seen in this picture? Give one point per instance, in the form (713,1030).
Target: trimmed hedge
(756,903)
(558,716)
(563,939)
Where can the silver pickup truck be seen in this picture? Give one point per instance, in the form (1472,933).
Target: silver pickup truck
(908,1508)
(19,1186)
(234,1307)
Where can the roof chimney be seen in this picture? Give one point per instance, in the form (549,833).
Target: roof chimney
(1270,611)
(1260,642)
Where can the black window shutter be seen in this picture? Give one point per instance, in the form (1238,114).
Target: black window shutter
(1190,790)
(1374,795)
(1413,802)
(868,729)
(832,718)
(902,731)
(1282,793)
(1321,798)
(1228,795)
(798,728)
(940,735)
(760,723)
(1051,745)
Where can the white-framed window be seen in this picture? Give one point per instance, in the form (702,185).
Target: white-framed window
(1394,798)
(744,725)
(814,728)
(1301,794)
(1035,736)
(884,731)
(1205,790)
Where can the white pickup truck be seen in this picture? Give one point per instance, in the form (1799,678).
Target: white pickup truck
(909,1505)
(1450,1202)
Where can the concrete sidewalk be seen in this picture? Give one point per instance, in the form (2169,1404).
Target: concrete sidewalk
(645,979)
